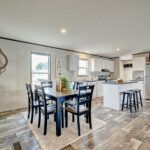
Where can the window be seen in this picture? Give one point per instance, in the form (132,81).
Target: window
(40,67)
(83,67)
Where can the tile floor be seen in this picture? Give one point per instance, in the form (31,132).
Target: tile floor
(121,131)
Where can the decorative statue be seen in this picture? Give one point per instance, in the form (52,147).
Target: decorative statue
(3,61)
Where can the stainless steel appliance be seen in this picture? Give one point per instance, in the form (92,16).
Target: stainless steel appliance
(147,81)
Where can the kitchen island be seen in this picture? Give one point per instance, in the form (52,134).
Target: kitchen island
(112,93)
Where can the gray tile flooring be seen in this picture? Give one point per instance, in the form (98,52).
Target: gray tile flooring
(15,134)
(123,131)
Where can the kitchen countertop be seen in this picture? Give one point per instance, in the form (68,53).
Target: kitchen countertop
(93,81)
(130,82)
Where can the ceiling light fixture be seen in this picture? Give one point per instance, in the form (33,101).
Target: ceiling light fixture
(63,31)
(117,49)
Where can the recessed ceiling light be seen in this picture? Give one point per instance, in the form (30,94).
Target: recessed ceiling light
(117,49)
(63,31)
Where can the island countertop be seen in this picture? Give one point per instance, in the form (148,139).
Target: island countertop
(114,82)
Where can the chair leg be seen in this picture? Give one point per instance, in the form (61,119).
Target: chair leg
(29,111)
(137,100)
(72,117)
(134,101)
(90,120)
(87,117)
(78,124)
(141,99)
(62,118)
(55,117)
(39,121)
(130,99)
(127,102)
(66,119)
(32,113)
(123,102)
(45,124)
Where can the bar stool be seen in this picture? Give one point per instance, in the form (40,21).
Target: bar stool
(131,101)
(138,97)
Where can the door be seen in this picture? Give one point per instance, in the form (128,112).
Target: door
(147,87)
(147,70)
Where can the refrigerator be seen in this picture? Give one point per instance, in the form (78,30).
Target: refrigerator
(147,81)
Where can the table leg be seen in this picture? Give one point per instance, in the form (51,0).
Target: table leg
(58,117)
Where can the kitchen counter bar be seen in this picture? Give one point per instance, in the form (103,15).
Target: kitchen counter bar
(112,93)
(130,82)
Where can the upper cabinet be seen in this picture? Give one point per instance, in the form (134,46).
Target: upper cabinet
(111,65)
(96,64)
(73,62)
(139,63)
(99,64)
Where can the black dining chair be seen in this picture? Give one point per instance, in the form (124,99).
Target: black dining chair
(47,109)
(48,84)
(32,102)
(82,106)
(73,101)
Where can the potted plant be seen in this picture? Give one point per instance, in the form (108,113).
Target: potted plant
(65,84)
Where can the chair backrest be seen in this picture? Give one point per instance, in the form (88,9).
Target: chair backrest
(39,90)
(85,96)
(29,93)
(48,84)
(76,85)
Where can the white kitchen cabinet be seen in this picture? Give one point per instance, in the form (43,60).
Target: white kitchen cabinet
(98,88)
(139,63)
(108,64)
(111,65)
(94,91)
(104,64)
(99,64)
(73,62)
(96,64)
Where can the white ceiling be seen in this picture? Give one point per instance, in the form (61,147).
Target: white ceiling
(93,26)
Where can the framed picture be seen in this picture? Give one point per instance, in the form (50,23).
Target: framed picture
(58,68)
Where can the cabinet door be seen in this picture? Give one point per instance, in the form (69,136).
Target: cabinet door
(98,64)
(73,62)
(92,64)
(111,66)
(103,64)
(99,89)
(95,64)
(139,63)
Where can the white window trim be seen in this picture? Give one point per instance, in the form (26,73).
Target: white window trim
(49,66)
(84,68)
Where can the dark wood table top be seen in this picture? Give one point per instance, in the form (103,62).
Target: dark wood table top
(56,94)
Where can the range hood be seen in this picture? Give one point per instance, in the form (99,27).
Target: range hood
(105,70)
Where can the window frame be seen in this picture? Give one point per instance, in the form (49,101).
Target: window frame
(83,67)
(49,65)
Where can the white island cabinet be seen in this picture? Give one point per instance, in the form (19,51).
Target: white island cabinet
(112,93)
(98,88)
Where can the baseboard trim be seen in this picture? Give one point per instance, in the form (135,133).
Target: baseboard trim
(4,113)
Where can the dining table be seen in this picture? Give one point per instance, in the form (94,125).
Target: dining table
(59,97)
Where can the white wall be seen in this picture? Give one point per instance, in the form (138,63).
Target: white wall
(116,74)
(126,73)
(12,82)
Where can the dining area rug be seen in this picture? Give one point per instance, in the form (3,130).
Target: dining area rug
(68,136)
